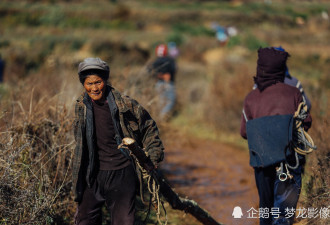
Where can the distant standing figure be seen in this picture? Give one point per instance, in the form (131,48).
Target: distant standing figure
(164,68)
(292,81)
(222,35)
(2,69)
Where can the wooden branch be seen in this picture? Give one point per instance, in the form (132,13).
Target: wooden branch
(176,202)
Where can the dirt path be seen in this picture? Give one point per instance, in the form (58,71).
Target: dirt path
(217,176)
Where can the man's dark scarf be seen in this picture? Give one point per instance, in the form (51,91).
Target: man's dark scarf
(271,66)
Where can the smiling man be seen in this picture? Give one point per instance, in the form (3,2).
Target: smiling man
(102,173)
(95,87)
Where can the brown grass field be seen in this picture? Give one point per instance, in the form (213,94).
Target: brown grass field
(43,41)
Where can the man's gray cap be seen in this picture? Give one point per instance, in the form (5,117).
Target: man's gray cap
(93,64)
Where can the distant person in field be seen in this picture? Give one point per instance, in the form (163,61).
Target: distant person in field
(164,69)
(222,33)
(291,80)
(102,173)
(2,69)
(267,114)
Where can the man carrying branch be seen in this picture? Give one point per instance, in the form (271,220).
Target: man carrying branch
(102,172)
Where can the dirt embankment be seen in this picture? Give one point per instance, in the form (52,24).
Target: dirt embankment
(217,176)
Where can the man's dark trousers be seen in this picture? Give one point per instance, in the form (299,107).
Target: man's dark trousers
(115,188)
(277,194)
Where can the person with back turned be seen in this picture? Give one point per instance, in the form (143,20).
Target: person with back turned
(266,123)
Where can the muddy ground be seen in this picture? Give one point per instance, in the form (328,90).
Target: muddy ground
(217,176)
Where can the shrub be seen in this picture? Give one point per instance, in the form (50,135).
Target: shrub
(36,168)
(195,30)
(175,37)
(54,17)
(4,43)
(226,95)
(234,41)
(253,43)
(317,191)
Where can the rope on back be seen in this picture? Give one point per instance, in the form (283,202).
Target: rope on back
(302,142)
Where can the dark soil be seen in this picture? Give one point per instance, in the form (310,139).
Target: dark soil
(217,176)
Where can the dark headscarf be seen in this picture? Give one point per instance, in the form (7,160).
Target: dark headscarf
(271,67)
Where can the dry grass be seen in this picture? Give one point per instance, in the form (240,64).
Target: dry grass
(317,191)
(36,102)
(36,150)
(226,97)
(36,170)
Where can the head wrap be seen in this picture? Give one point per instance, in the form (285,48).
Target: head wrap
(271,66)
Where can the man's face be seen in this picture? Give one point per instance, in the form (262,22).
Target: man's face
(95,87)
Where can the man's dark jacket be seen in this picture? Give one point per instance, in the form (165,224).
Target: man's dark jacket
(164,65)
(130,119)
(277,99)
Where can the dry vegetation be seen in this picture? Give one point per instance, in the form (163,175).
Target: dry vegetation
(42,43)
